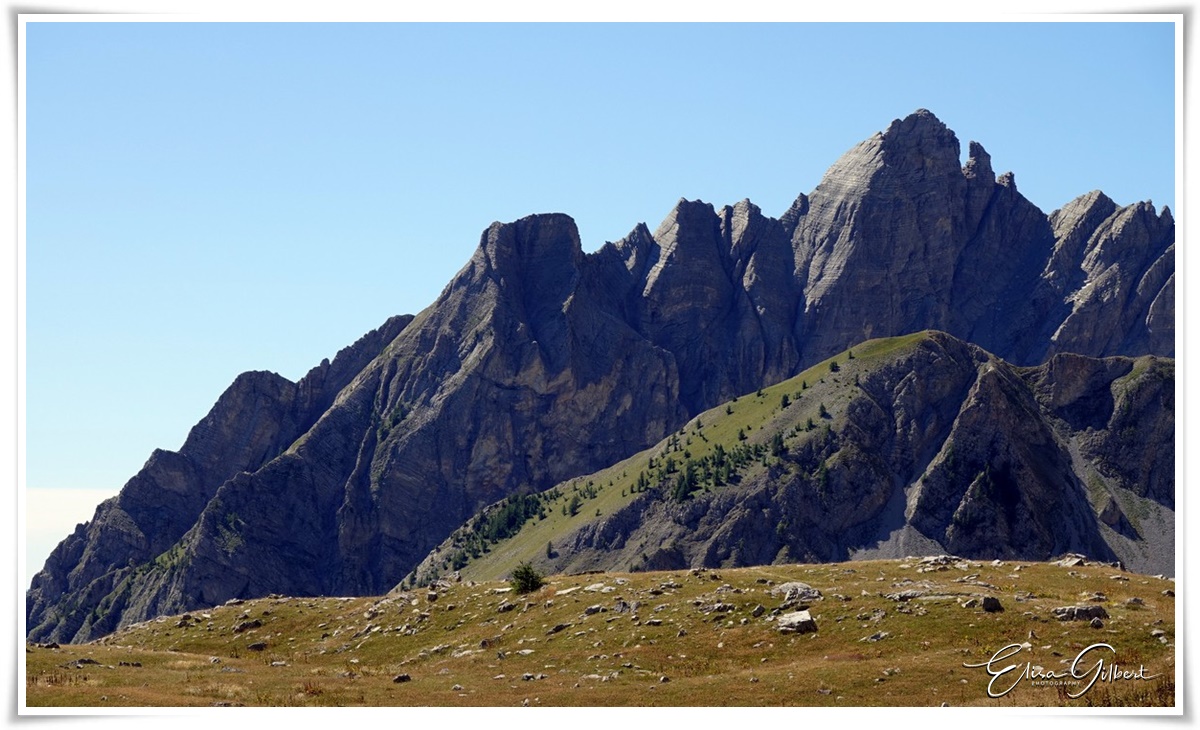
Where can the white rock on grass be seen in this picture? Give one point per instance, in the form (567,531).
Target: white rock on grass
(797,622)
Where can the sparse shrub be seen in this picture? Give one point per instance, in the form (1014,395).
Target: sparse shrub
(312,689)
(777,447)
(526,579)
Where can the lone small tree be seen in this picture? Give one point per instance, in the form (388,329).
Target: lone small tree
(526,579)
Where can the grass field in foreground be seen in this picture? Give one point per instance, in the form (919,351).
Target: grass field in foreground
(692,639)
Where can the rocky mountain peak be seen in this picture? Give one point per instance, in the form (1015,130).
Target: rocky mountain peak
(979,163)
(687,216)
(914,154)
(535,241)
(921,122)
(921,140)
(738,219)
(1086,211)
(791,217)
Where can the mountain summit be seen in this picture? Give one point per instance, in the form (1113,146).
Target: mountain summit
(539,363)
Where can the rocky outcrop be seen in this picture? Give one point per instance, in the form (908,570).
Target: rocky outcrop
(540,362)
(941,447)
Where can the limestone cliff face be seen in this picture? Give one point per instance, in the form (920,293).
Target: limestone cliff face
(939,447)
(540,362)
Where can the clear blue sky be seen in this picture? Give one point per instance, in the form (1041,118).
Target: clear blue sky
(205,199)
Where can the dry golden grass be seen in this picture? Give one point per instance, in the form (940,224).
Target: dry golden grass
(459,650)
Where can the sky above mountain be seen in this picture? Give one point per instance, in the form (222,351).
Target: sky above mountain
(209,198)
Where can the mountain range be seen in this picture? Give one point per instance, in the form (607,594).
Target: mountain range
(540,363)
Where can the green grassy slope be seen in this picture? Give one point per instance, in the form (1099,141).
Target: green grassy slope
(748,421)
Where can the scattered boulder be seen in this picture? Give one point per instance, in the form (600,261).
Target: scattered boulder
(247,625)
(797,622)
(796,592)
(1096,623)
(401,678)
(937,562)
(1079,613)
(877,636)
(991,604)
(257,646)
